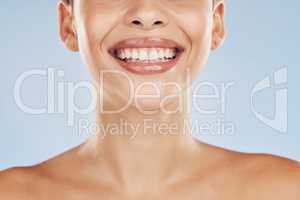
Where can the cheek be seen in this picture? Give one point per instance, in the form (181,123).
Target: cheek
(199,30)
(93,28)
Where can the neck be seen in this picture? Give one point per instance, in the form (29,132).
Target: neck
(138,147)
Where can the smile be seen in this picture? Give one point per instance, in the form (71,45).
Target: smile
(147,55)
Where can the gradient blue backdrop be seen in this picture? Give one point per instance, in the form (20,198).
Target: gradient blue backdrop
(263,36)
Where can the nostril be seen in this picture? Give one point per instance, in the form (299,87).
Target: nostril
(136,22)
(145,24)
(157,22)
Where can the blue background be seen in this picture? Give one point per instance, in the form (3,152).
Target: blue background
(262,37)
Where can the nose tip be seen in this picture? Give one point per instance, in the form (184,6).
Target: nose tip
(140,23)
(146,16)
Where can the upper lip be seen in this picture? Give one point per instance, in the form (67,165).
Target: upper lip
(146,42)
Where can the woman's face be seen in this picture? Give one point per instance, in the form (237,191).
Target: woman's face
(181,32)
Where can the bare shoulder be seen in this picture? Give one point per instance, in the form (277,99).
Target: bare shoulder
(15,183)
(30,182)
(270,177)
(259,176)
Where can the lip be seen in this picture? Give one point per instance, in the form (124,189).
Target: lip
(147,42)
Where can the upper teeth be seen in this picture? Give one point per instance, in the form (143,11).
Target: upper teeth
(146,53)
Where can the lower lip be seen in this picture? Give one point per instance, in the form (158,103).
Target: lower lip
(139,67)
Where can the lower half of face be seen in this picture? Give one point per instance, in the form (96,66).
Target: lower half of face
(150,77)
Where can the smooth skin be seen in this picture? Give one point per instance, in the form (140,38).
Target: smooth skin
(150,166)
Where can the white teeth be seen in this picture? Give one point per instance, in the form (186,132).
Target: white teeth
(153,54)
(146,54)
(135,54)
(161,53)
(143,55)
(168,53)
(152,67)
(122,55)
(128,53)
